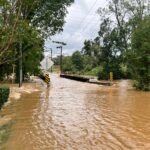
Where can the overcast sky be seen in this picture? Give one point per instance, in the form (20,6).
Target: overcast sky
(82,22)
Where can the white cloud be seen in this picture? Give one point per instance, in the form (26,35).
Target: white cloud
(82,22)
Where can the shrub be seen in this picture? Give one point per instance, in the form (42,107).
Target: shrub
(94,72)
(4,94)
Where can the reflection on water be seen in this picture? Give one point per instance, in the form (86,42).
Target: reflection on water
(80,116)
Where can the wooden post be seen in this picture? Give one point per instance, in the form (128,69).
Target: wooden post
(111,76)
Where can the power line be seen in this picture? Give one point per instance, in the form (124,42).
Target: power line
(94,13)
(85,16)
(84,28)
(85,19)
(91,26)
(88,13)
(89,23)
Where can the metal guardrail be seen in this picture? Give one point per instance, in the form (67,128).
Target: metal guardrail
(77,78)
(86,79)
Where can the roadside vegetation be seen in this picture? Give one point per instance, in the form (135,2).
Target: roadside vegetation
(24,26)
(4,94)
(122,45)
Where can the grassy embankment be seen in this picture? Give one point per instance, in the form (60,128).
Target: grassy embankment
(91,73)
(4,125)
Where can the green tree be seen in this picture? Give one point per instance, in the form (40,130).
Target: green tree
(124,16)
(110,52)
(46,17)
(139,59)
(90,51)
(28,22)
(86,50)
(77,60)
(119,19)
(67,65)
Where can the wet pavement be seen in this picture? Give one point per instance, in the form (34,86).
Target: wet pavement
(71,115)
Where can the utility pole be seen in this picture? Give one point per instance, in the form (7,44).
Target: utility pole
(51,59)
(58,42)
(62,44)
(60,58)
(20,65)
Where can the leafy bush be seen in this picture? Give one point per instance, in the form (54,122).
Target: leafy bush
(4,94)
(94,72)
(110,67)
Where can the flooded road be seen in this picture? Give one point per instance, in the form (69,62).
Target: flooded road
(80,116)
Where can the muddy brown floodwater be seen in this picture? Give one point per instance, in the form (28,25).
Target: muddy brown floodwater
(80,116)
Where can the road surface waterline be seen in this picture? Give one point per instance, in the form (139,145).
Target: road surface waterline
(71,115)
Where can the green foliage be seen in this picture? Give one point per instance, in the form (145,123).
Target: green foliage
(111,49)
(77,61)
(115,36)
(74,63)
(112,66)
(90,52)
(47,16)
(28,22)
(125,71)
(79,64)
(139,56)
(110,55)
(87,47)
(67,65)
(122,45)
(93,72)
(4,94)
